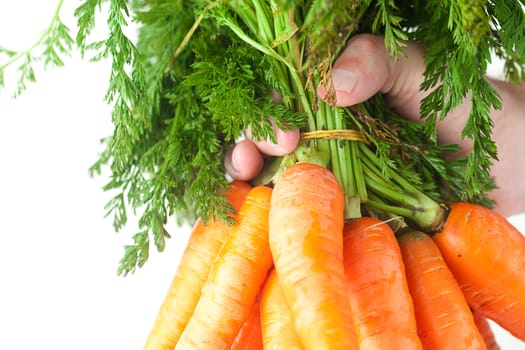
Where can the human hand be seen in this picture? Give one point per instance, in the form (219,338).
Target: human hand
(244,161)
(365,68)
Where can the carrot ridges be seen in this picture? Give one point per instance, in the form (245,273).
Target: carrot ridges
(278,330)
(381,304)
(235,279)
(185,289)
(444,319)
(306,222)
(486,254)
(250,334)
(486,331)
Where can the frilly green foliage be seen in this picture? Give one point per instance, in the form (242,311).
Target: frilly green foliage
(201,72)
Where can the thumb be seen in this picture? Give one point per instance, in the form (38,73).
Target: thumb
(366,67)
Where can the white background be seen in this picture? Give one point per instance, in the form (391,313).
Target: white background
(58,255)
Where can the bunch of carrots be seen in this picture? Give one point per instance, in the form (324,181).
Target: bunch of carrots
(292,273)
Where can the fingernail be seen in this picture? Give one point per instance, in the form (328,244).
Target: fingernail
(344,80)
(235,161)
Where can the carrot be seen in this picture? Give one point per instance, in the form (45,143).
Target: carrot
(381,304)
(234,280)
(306,222)
(250,334)
(486,331)
(486,254)
(278,330)
(185,289)
(443,317)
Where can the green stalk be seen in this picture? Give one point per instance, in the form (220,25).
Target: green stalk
(297,85)
(334,154)
(264,28)
(325,117)
(269,28)
(324,146)
(264,48)
(358,171)
(425,212)
(343,153)
(349,172)
(379,185)
(386,208)
(247,15)
(301,94)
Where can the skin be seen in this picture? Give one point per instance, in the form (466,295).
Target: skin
(364,68)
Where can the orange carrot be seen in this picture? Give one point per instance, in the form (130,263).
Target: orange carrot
(185,289)
(250,334)
(306,222)
(234,280)
(278,330)
(381,304)
(443,317)
(486,254)
(486,331)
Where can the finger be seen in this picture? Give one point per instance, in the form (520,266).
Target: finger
(366,67)
(287,141)
(243,161)
(360,71)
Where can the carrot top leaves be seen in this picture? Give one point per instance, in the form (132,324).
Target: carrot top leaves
(50,48)
(196,73)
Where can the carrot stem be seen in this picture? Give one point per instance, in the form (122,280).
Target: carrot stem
(425,212)
(265,28)
(358,172)
(389,208)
